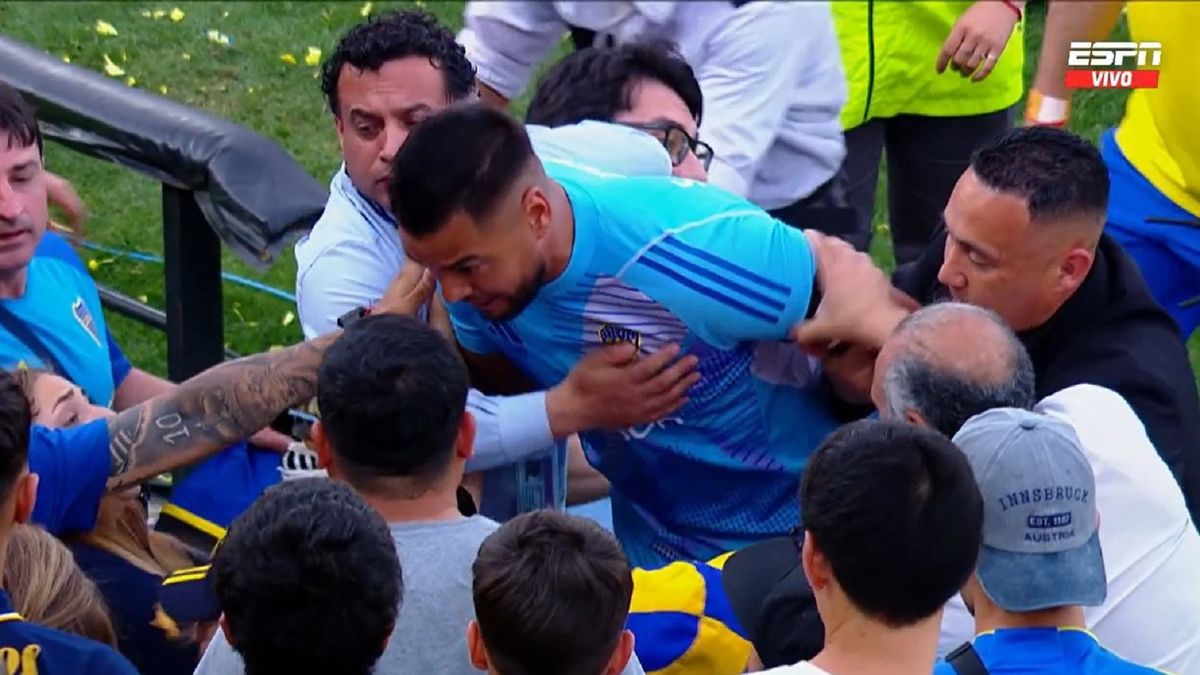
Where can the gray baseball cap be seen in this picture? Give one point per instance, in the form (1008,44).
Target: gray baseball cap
(1041,535)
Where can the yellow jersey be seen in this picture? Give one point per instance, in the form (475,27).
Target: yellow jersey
(1160,133)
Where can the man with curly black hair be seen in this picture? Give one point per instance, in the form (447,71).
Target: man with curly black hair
(307,552)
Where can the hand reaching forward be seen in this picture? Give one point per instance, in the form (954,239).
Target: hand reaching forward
(858,303)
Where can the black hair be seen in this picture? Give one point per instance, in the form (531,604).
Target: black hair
(392,392)
(429,184)
(599,82)
(396,35)
(1058,173)
(552,594)
(895,509)
(309,581)
(15,419)
(18,118)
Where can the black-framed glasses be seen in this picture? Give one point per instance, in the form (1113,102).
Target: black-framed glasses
(677,141)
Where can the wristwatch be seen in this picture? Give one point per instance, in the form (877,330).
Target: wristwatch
(356,314)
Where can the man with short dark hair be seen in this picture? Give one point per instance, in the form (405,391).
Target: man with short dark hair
(947,363)
(308,581)
(552,594)
(645,86)
(1040,561)
(892,520)
(392,393)
(1024,237)
(385,76)
(35,648)
(50,312)
(770,72)
(543,264)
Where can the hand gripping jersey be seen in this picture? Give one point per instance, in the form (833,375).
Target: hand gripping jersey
(663,260)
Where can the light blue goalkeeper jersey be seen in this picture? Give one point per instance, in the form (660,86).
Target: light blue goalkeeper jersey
(662,260)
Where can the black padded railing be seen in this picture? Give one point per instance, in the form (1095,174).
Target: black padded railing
(221,184)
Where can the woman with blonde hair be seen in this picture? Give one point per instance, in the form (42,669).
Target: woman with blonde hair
(121,554)
(48,588)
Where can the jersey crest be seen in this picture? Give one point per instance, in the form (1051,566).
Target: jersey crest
(84,316)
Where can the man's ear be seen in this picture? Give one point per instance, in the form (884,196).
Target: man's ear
(536,205)
(464,443)
(26,492)
(324,452)
(914,417)
(387,637)
(621,654)
(815,565)
(475,649)
(1074,269)
(227,632)
(340,127)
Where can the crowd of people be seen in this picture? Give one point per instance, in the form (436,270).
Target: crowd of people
(615,389)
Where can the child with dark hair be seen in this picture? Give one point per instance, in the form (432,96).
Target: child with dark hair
(552,594)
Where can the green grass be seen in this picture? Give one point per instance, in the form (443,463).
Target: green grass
(248,83)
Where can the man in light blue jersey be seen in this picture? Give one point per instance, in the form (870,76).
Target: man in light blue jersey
(542,265)
(384,77)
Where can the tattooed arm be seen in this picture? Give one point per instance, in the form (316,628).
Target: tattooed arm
(219,407)
(230,402)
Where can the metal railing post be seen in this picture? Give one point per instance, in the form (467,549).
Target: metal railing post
(195,321)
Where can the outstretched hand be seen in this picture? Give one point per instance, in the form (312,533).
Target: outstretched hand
(858,304)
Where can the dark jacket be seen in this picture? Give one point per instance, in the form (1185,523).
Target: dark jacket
(1110,333)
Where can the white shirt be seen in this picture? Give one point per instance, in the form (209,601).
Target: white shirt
(802,668)
(770,72)
(1151,548)
(353,252)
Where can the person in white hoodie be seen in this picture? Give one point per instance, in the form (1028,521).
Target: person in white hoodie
(770,73)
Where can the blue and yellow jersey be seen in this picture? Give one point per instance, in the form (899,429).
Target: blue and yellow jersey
(29,649)
(682,622)
(666,260)
(1158,133)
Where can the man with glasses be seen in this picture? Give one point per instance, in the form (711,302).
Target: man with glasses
(646,87)
(770,73)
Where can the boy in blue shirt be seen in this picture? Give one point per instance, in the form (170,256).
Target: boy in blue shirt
(1040,562)
(544,265)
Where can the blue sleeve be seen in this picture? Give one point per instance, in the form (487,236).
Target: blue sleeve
(737,276)
(470,328)
(55,246)
(108,661)
(72,467)
(117,360)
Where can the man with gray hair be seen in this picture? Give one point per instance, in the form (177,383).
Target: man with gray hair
(950,361)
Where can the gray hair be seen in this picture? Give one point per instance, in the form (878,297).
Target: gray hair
(918,379)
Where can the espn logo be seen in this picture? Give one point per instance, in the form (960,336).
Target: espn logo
(1118,59)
